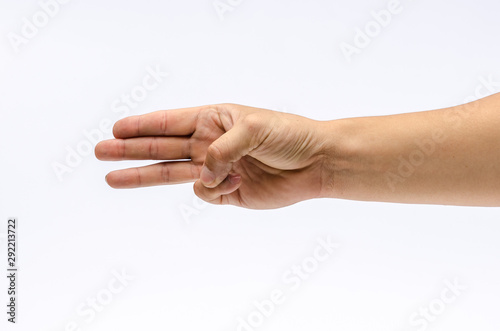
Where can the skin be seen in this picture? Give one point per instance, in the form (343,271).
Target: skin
(261,159)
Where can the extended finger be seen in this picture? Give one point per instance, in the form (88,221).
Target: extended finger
(156,174)
(143,148)
(174,122)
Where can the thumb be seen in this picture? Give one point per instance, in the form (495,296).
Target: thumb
(223,152)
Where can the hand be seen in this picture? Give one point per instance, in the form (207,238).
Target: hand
(244,156)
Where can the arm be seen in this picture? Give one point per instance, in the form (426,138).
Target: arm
(448,156)
(258,158)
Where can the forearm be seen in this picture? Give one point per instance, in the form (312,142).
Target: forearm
(446,156)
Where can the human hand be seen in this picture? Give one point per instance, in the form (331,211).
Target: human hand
(238,155)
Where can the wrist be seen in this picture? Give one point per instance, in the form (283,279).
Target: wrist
(333,156)
(349,157)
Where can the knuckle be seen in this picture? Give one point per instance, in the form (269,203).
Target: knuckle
(165,173)
(252,123)
(121,149)
(138,177)
(187,148)
(210,108)
(163,123)
(215,152)
(154,148)
(138,125)
(195,170)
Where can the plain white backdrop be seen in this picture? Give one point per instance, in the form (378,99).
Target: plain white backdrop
(201,267)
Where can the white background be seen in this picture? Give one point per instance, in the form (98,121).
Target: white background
(204,271)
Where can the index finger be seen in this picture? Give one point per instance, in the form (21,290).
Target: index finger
(173,122)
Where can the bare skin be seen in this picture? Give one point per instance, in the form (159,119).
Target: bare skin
(261,159)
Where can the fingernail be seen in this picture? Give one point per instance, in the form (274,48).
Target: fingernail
(206,176)
(234,179)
